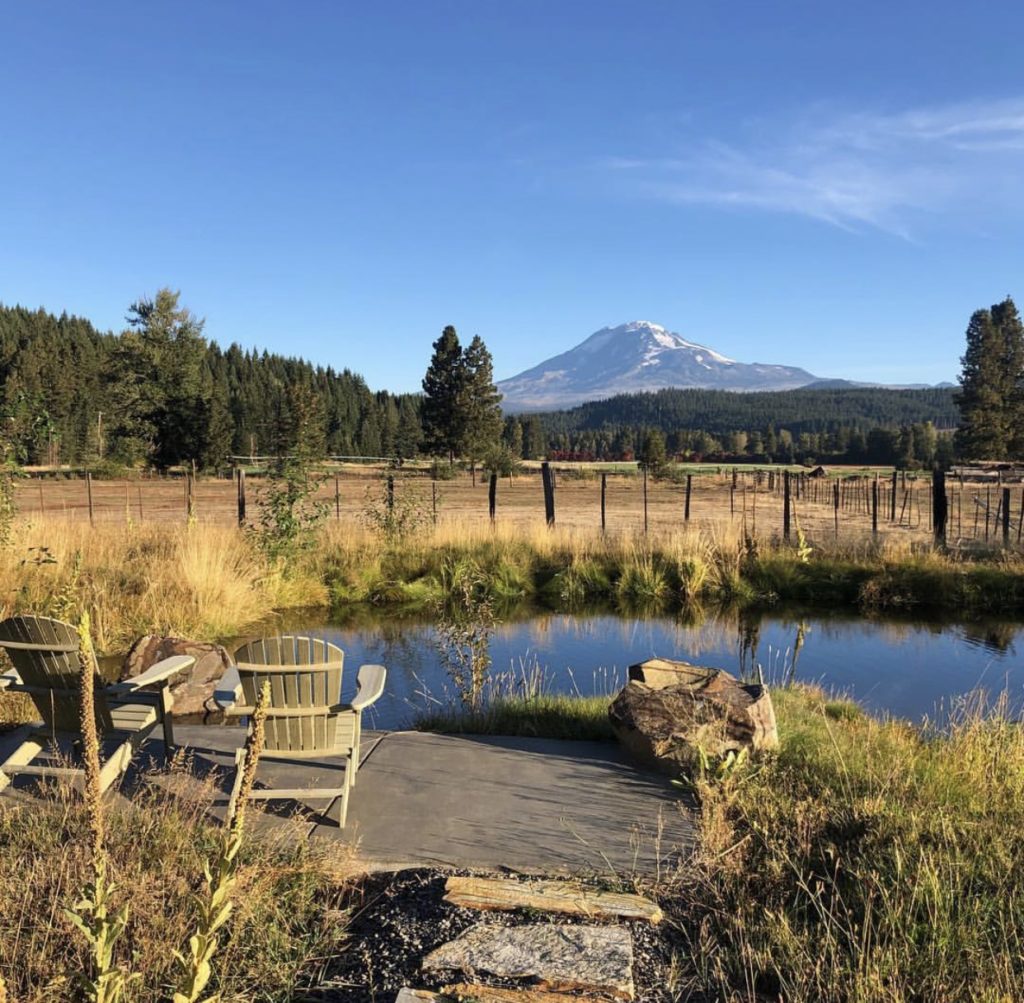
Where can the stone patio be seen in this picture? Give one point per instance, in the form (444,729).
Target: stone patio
(532,805)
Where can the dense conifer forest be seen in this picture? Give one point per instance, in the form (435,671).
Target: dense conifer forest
(160,393)
(845,425)
(70,393)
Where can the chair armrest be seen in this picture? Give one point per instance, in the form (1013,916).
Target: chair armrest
(369,685)
(159,673)
(229,689)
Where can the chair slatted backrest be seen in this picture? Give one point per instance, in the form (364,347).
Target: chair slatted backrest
(46,654)
(305,677)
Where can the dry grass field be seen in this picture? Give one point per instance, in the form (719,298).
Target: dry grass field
(754,505)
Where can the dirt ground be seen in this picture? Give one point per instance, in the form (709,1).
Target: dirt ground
(754,502)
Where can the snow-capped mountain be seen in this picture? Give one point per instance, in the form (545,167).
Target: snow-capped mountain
(634,357)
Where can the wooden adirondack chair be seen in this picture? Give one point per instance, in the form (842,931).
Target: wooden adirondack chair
(47,667)
(306,720)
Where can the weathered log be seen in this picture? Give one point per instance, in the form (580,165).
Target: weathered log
(563,897)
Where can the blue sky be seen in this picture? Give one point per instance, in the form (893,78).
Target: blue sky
(829,185)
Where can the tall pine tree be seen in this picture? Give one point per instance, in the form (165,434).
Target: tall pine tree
(442,412)
(481,402)
(991,392)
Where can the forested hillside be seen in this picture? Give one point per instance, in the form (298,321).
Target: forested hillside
(720,412)
(162,393)
(842,425)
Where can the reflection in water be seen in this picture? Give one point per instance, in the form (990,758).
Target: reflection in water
(904,667)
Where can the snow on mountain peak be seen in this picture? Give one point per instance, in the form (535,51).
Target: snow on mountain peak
(641,325)
(636,356)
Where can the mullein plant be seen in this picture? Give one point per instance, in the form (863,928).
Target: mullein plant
(94,914)
(220,878)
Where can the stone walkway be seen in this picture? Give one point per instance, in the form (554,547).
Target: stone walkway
(532,805)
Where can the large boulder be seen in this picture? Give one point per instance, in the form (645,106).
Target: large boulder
(670,709)
(192,689)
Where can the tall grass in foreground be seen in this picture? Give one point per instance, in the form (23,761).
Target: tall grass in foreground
(289,896)
(867,861)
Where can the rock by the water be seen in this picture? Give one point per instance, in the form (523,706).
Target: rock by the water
(190,689)
(662,721)
(563,897)
(555,956)
(407,995)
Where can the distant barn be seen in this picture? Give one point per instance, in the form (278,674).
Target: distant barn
(818,472)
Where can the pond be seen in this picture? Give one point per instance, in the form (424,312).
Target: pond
(908,668)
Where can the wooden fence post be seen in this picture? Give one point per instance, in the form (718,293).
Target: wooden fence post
(1006,517)
(337,497)
(549,492)
(892,499)
(874,508)
(835,505)
(88,488)
(939,506)
(433,500)
(645,498)
(240,477)
(604,491)
(391,494)
(786,501)
(492,495)
(689,488)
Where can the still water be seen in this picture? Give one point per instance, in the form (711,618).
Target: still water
(907,668)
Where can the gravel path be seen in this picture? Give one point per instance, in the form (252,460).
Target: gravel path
(397,919)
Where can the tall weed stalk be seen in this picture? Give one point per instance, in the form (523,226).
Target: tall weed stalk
(95,914)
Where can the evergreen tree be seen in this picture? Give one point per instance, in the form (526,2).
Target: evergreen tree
(652,450)
(442,412)
(984,391)
(172,342)
(512,436)
(1006,319)
(481,402)
(408,435)
(535,446)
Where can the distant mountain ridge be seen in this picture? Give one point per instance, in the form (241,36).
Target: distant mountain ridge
(634,357)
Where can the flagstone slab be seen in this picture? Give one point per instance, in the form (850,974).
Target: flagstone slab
(555,956)
(563,897)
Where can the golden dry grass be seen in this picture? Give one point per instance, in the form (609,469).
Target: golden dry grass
(288,915)
(868,860)
(203,581)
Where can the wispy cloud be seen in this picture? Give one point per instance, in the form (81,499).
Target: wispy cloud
(851,170)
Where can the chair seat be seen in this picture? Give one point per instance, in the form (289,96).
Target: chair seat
(132,716)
